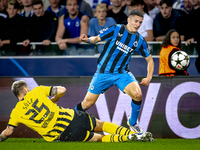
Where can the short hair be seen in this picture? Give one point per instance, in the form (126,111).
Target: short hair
(36,2)
(136,12)
(100,6)
(17,87)
(167,2)
(13,2)
(166,40)
(140,2)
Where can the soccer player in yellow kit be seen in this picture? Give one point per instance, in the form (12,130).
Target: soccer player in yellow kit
(40,113)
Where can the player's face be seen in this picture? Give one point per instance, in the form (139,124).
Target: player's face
(174,39)
(54,3)
(72,7)
(134,23)
(11,11)
(38,10)
(138,7)
(165,10)
(116,3)
(26,89)
(27,3)
(100,14)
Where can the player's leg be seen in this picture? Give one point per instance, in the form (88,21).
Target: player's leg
(134,91)
(98,85)
(144,136)
(111,128)
(87,102)
(96,138)
(129,85)
(117,133)
(111,138)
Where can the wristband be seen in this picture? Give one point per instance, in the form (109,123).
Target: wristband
(88,40)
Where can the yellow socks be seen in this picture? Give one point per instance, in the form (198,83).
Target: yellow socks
(114,138)
(117,133)
(116,129)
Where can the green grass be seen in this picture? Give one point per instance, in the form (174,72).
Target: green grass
(158,144)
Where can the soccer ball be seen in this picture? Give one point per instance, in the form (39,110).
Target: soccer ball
(180,60)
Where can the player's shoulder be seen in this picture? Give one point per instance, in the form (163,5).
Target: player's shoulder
(141,37)
(39,88)
(18,109)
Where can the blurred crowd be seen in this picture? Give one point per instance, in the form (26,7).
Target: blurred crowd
(63,21)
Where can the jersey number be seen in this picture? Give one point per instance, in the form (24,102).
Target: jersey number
(37,110)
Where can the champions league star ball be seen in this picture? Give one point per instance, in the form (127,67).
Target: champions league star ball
(180,60)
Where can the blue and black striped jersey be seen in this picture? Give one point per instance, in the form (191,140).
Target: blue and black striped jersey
(120,45)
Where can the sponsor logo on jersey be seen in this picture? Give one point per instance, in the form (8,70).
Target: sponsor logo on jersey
(92,87)
(123,47)
(135,44)
(101,31)
(120,35)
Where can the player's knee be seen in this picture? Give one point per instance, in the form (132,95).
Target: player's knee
(137,96)
(96,138)
(99,126)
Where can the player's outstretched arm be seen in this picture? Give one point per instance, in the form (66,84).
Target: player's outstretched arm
(92,39)
(6,133)
(150,70)
(58,92)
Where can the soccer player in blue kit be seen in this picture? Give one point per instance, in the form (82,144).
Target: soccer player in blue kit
(113,65)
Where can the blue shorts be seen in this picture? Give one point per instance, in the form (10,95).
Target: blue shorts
(101,82)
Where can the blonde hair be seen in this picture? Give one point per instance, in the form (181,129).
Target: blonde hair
(17,87)
(100,6)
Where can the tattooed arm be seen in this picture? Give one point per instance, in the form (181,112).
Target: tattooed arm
(6,133)
(57,92)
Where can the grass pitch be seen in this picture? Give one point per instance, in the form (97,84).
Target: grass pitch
(158,144)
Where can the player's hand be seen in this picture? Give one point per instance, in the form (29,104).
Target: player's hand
(84,38)
(46,42)
(145,82)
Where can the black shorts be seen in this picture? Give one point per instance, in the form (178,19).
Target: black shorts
(80,129)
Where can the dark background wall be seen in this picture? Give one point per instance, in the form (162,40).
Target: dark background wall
(170,106)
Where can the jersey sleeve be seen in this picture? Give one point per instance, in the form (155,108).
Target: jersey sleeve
(143,50)
(107,33)
(14,119)
(47,90)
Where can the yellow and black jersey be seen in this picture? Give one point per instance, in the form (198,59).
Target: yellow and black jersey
(39,113)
